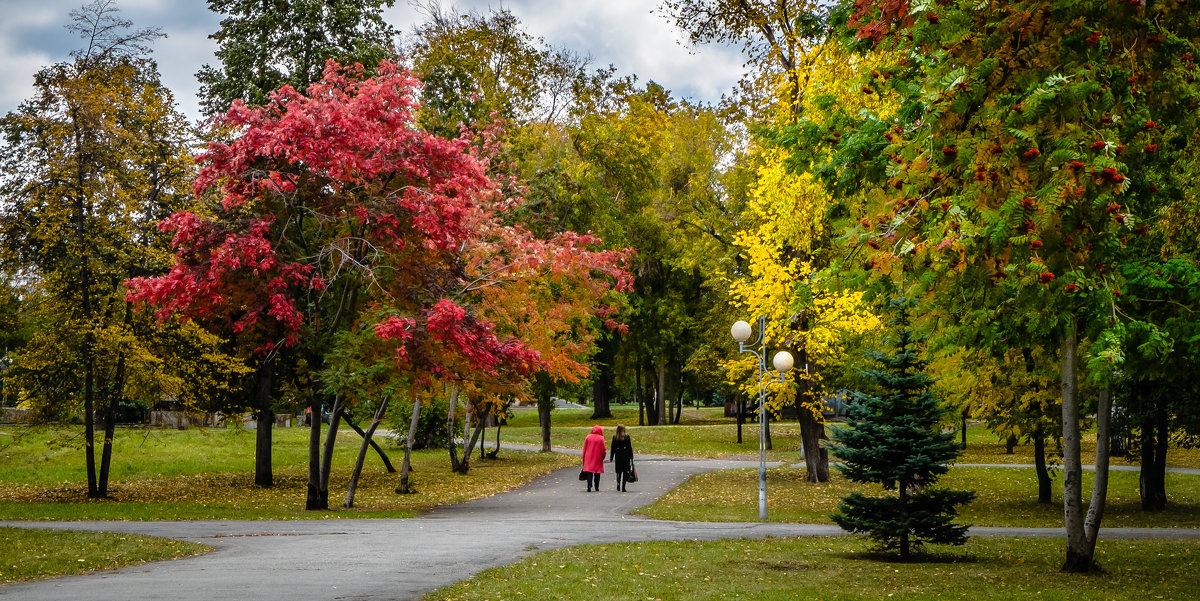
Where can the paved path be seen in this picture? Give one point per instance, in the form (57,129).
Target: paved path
(403,559)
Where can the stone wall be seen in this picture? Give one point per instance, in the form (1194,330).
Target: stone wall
(181,420)
(13,415)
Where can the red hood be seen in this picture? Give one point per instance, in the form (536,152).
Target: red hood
(598,430)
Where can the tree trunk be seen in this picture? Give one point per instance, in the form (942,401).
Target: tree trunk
(313,499)
(362,453)
(406,465)
(79,209)
(741,418)
(1039,460)
(660,401)
(335,418)
(264,379)
(1095,513)
(106,450)
(602,385)
(1010,444)
(387,463)
(451,409)
(89,412)
(600,397)
(545,405)
(1079,556)
(964,429)
(110,426)
(1152,484)
(641,398)
(1081,530)
(110,412)
(677,392)
(469,445)
(816,463)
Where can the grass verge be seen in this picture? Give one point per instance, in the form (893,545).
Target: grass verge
(1006,497)
(709,434)
(836,568)
(32,554)
(195,474)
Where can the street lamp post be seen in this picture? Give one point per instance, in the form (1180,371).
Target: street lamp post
(782,362)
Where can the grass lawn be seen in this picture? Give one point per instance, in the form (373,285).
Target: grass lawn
(1006,497)
(35,554)
(709,434)
(837,568)
(209,474)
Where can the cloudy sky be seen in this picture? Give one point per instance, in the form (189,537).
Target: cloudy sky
(624,33)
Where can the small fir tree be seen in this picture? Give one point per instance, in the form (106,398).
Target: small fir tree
(893,438)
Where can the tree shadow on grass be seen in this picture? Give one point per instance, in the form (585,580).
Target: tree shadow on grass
(923,556)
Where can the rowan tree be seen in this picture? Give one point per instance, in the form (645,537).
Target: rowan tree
(1035,148)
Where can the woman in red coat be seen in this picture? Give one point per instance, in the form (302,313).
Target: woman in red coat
(593,457)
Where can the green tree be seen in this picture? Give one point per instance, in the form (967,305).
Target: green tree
(1156,392)
(480,67)
(91,163)
(1014,392)
(263,46)
(893,437)
(1029,167)
(781,39)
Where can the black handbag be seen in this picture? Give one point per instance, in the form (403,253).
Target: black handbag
(583,475)
(631,475)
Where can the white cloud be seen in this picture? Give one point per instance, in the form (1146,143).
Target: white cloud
(624,33)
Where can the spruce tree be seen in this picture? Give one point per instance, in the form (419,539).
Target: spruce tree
(894,438)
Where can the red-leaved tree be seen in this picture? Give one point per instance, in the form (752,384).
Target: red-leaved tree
(333,212)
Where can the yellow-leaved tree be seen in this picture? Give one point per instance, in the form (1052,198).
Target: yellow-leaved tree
(806,314)
(787,236)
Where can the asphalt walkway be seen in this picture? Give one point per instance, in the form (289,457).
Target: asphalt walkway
(350,559)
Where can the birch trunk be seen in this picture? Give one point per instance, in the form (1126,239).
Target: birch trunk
(1079,557)
(406,465)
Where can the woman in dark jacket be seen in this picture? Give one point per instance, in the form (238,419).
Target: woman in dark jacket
(621,455)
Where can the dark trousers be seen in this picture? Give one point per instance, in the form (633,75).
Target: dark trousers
(621,480)
(593,480)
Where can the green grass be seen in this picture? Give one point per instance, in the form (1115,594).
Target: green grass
(1006,497)
(31,554)
(709,434)
(701,433)
(837,568)
(208,474)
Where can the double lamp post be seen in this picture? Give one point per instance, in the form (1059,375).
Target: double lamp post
(783,362)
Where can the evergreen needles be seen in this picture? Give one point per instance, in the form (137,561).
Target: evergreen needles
(894,438)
